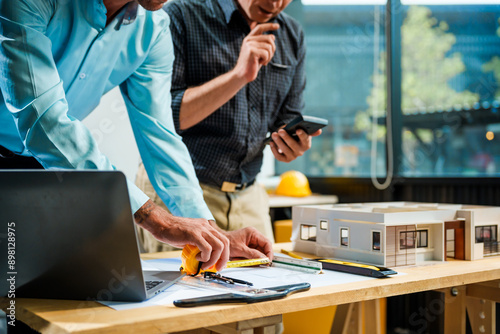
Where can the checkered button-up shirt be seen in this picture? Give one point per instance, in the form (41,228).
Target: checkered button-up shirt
(207,37)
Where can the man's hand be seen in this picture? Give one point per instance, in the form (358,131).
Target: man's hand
(285,148)
(257,50)
(249,243)
(177,231)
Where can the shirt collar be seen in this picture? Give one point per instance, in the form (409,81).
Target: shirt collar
(129,15)
(228,7)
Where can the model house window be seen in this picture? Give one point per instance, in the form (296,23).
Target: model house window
(323,224)
(407,239)
(308,232)
(486,233)
(375,240)
(344,236)
(450,243)
(422,238)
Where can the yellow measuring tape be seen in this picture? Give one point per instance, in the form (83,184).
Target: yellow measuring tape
(247,262)
(191,266)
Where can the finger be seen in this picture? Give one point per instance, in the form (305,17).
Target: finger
(278,155)
(298,144)
(221,263)
(264,27)
(317,133)
(263,245)
(265,39)
(287,144)
(302,136)
(252,253)
(263,53)
(205,249)
(210,249)
(274,149)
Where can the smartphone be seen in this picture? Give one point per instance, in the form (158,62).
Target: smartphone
(309,124)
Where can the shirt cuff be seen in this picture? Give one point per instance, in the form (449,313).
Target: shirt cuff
(137,197)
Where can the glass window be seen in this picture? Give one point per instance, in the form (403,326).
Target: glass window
(450,243)
(323,224)
(450,72)
(344,236)
(407,239)
(308,232)
(422,238)
(486,233)
(376,240)
(345,43)
(448,121)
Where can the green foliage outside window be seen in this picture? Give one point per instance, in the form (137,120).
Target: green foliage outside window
(426,70)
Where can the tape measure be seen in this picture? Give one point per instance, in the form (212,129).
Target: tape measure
(247,262)
(191,266)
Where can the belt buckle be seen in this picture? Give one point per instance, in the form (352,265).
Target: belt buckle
(228,187)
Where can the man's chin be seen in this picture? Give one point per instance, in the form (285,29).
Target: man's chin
(152,5)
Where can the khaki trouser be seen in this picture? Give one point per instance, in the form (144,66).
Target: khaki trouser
(231,210)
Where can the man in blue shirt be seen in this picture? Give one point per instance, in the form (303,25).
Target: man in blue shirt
(57,59)
(239,73)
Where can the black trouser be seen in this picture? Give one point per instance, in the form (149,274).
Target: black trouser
(9,160)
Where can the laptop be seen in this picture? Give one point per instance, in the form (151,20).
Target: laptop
(71,235)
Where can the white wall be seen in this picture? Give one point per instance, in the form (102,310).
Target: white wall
(110,126)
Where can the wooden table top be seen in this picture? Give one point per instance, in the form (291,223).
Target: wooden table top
(63,316)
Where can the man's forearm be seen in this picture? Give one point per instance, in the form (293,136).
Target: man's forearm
(143,213)
(200,102)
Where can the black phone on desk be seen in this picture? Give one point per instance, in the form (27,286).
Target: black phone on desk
(309,124)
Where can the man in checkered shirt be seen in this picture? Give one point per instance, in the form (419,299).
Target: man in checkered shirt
(239,73)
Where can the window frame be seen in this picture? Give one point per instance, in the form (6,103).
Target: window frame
(310,227)
(379,250)
(341,229)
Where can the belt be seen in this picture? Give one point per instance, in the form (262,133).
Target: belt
(231,187)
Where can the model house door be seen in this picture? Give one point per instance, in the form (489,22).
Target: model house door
(455,239)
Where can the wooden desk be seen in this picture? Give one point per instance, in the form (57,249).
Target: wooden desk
(59,316)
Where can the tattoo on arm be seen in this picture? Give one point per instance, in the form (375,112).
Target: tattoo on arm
(143,213)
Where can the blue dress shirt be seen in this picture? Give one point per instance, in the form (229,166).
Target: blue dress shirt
(58,57)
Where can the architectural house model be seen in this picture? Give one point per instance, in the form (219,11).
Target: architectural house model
(395,234)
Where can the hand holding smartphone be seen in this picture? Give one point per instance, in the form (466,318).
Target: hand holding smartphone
(309,124)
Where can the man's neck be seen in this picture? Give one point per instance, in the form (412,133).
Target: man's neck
(112,7)
(251,23)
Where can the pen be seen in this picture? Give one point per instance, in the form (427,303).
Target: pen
(240,281)
(295,256)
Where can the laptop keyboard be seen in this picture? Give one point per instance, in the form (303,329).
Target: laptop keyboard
(151,284)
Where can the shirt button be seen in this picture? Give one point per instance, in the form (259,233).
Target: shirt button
(82,75)
(253,108)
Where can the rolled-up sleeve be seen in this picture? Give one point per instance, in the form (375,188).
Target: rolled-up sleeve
(166,159)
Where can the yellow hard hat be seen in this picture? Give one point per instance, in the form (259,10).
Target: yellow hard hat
(293,183)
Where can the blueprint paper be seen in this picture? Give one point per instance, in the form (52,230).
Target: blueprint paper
(261,277)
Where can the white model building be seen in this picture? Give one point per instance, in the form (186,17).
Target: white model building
(395,234)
